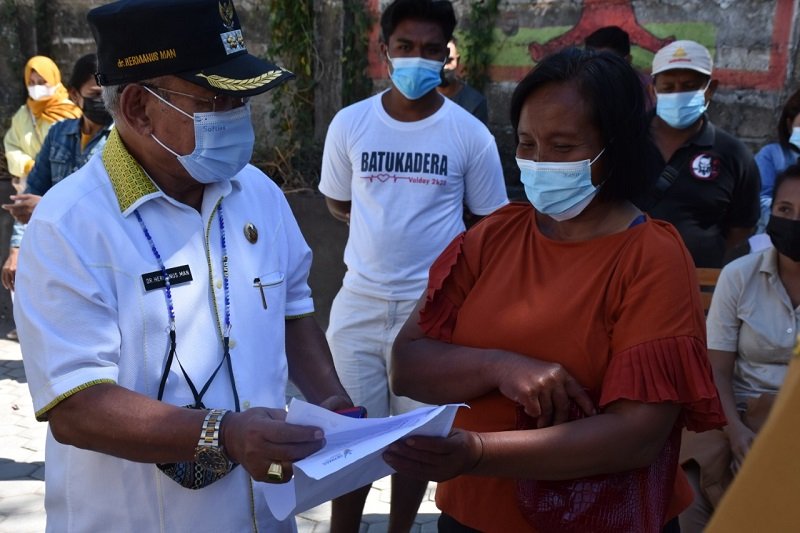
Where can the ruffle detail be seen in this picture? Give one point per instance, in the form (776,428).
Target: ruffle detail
(438,318)
(674,370)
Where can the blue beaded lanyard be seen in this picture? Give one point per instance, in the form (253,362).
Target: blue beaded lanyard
(226,356)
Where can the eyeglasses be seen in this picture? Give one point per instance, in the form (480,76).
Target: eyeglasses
(219,102)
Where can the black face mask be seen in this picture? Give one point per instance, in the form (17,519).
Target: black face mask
(95,110)
(785,235)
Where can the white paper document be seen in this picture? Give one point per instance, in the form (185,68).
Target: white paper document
(352,456)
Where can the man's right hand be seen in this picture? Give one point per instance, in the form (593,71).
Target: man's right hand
(543,389)
(9,273)
(259,436)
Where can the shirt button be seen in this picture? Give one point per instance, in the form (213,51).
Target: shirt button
(246,404)
(789,330)
(218,284)
(231,344)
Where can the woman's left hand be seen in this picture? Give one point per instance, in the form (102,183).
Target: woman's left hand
(436,458)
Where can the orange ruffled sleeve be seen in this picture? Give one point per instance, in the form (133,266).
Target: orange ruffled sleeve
(672,370)
(448,284)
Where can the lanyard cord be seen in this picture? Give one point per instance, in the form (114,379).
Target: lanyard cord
(198,396)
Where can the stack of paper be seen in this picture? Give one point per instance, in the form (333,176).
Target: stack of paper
(352,456)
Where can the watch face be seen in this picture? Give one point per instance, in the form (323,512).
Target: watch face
(212,458)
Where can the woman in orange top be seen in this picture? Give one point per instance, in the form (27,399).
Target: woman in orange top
(572,327)
(47,103)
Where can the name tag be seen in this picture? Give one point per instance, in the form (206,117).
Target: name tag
(177,275)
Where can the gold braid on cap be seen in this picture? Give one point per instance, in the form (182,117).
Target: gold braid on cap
(230,84)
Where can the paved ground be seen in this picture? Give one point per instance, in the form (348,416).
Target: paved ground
(22,466)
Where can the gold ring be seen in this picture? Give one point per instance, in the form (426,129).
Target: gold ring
(275,472)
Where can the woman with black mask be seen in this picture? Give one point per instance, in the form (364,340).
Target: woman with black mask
(752,331)
(68,146)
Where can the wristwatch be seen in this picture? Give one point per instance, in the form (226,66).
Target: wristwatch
(209,453)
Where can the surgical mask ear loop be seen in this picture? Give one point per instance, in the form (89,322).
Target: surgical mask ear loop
(156,139)
(173,106)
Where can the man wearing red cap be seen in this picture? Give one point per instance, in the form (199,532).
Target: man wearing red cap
(177,297)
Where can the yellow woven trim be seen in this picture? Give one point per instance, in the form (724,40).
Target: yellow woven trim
(129,180)
(295,317)
(41,414)
(230,84)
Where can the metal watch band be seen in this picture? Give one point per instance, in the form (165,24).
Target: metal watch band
(209,435)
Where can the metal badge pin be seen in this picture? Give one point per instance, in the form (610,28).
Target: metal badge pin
(250,233)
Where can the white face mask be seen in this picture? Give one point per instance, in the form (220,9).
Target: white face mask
(223,143)
(415,77)
(794,138)
(41,92)
(559,190)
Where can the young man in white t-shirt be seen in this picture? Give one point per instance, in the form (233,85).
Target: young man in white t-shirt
(398,168)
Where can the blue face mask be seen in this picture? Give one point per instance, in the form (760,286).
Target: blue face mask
(794,138)
(681,110)
(223,143)
(559,190)
(415,77)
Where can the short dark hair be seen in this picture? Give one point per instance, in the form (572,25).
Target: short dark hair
(615,99)
(438,11)
(792,172)
(84,70)
(790,110)
(610,38)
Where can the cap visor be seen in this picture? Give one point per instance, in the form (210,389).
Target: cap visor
(241,75)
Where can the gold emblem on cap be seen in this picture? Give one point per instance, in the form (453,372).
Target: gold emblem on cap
(230,84)
(250,232)
(226,13)
(680,52)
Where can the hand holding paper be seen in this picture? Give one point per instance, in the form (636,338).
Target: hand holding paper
(352,455)
(436,459)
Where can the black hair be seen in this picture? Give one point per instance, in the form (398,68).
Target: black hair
(615,99)
(612,38)
(790,110)
(792,172)
(84,70)
(437,11)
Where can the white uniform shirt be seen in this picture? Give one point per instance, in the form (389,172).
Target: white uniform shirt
(407,182)
(751,315)
(84,317)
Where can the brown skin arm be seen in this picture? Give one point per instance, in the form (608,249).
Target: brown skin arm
(110,419)
(311,365)
(424,369)
(740,436)
(625,436)
(339,209)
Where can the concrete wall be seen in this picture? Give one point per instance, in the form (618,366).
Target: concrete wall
(754,43)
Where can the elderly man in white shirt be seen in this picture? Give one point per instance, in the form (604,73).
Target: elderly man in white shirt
(162,295)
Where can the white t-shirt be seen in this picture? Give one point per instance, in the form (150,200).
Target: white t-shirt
(85,316)
(407,182)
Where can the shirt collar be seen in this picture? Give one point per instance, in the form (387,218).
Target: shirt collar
(132,186)
(769,261)
(706,135)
